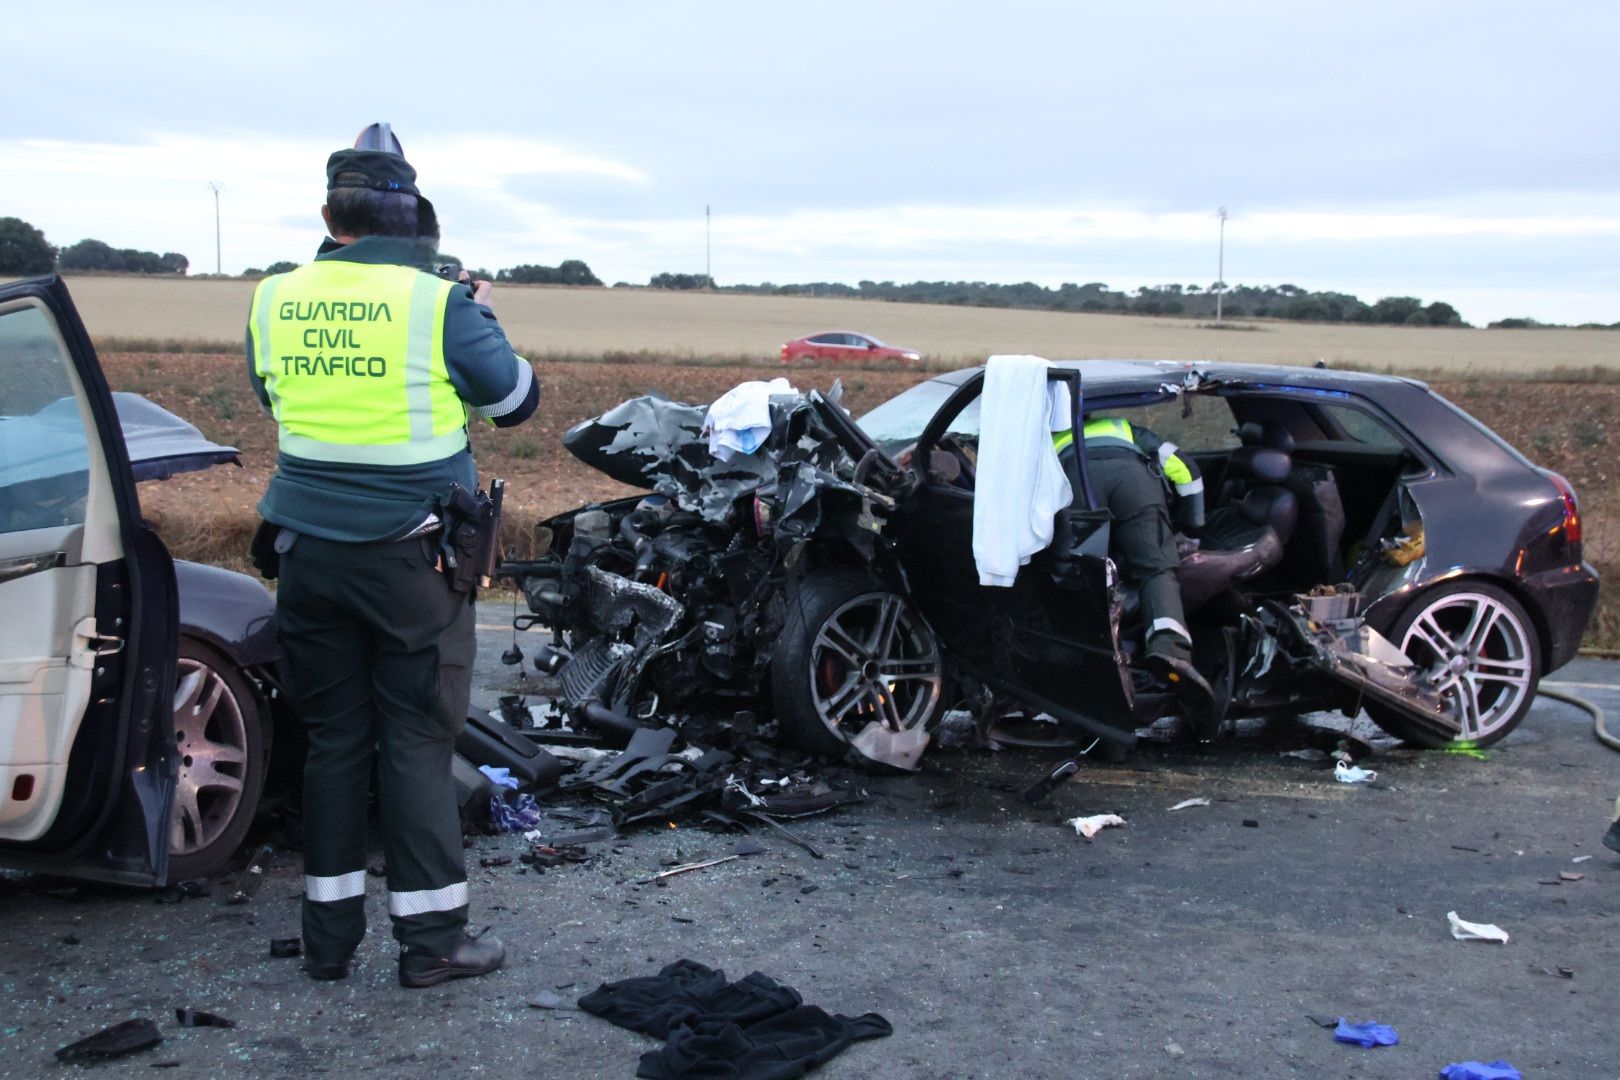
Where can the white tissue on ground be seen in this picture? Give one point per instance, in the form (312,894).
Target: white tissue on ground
(1091,826)
(1463,930)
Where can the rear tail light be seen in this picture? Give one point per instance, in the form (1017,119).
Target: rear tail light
(1572,512)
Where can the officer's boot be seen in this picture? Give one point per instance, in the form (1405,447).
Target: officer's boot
(1167,657)
(468,957)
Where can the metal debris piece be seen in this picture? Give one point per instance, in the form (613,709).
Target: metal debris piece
(251,877)
(283,947)
(129,1037)
(193,1018)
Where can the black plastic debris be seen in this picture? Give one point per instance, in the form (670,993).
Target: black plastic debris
(120,1040)
(490,740)
(196,1018)
(284,947)
(252,876)
(190,889)
(491,861)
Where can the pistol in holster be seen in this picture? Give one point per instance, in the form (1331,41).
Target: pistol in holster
(469,542)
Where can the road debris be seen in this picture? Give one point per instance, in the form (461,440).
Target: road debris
(741,851)
(1187,804)
(1091,826)
(1353,774)
(1463,930)
(251,877)
(1581,859)
(196,1018)
(1568,875)
(129,1037)
(1367,1034)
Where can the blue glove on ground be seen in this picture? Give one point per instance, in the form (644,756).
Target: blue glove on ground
(1473,1070)
(1369,1034)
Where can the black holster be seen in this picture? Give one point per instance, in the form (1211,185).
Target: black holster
(469,539)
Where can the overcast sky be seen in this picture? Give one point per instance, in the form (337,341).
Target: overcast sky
(1466,151)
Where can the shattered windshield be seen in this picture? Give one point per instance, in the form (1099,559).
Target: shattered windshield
(898,422)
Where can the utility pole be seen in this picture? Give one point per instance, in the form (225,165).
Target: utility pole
(1220,272)
(216,187)
(708,249)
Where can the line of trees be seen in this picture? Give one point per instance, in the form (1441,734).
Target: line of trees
(1193,301)
(24,250)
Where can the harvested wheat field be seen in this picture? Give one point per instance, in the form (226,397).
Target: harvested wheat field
(209,516)
(578,322)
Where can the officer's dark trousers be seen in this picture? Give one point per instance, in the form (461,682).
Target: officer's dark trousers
(1143,542)
(377,660)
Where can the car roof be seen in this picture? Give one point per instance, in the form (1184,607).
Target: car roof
(1107,376)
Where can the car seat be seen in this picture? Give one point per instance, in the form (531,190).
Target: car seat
(1246,534)
(1313,555)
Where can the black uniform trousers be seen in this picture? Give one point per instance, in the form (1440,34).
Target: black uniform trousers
(377,656)
(1143,541)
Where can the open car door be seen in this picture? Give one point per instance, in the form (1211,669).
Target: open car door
(1051,640)
(88,638)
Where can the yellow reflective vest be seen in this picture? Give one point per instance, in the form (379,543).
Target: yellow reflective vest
(352,357)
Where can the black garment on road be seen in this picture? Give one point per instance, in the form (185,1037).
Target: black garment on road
(752,1029)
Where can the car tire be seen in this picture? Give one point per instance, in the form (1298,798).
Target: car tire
(831,676)
(1486,654)
(222,743)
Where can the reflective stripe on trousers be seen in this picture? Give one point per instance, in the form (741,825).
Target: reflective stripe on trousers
(329,890)
(424,901)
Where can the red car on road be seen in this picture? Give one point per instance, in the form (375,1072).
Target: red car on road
(840,345)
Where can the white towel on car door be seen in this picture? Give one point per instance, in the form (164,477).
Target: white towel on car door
(1020,484)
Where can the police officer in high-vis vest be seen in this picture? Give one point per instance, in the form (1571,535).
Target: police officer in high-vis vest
(1129,467)
(373,367)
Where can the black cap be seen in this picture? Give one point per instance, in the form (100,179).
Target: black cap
(374,169)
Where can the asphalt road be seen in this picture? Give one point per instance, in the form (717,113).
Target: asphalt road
(998,942)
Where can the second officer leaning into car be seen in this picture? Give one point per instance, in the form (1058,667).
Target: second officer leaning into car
(372,367)
(1130,468)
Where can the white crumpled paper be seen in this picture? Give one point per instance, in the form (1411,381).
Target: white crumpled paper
(1353,774)
(1091,826)
(1463,930)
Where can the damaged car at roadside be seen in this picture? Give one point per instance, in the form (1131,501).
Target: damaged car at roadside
(1368,545)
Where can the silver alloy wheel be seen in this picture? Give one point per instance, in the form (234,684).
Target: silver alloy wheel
(874,662)
(210,732)
(1478,654)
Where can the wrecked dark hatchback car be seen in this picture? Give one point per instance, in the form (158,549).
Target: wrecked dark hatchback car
(1390,553)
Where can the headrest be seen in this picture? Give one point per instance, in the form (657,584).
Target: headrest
(1268,434)
(1269,466)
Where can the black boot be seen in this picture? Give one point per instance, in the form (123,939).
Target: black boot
(468,957)
(326,972)
(1189,687)
(1611,839)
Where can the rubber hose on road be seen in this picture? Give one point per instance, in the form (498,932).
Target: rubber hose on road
(1603,734)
